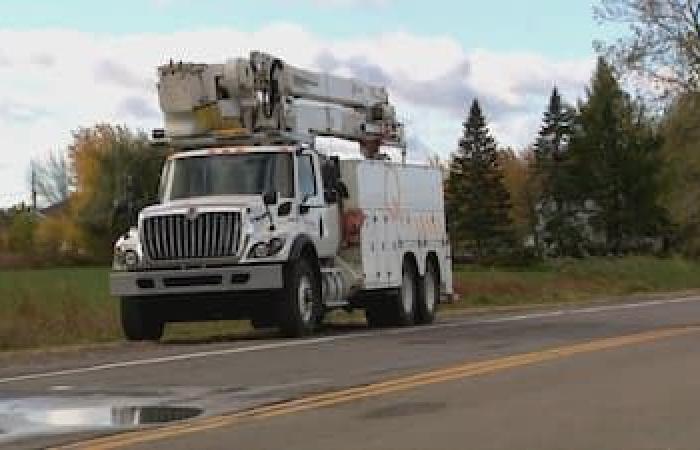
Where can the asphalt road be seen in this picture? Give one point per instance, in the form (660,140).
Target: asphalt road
(619,376)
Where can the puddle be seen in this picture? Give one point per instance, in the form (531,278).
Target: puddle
(51,415)
(65,409)
(110,417)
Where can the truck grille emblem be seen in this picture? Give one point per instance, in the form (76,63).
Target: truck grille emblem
(191,214)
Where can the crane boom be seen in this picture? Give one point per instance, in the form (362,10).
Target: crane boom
(262,96)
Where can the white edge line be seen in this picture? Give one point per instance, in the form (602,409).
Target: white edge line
(324,339)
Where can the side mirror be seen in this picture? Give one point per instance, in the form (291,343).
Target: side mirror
(303,207)
(284,209)
(331,196)
(270,198)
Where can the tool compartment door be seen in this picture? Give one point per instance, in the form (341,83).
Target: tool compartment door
(370,199)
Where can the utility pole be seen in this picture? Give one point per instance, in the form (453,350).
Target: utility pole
(33,186)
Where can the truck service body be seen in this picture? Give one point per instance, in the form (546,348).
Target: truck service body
(253,222)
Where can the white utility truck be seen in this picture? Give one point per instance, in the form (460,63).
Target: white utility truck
(253,222)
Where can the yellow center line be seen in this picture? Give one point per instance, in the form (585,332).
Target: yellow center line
(466,370)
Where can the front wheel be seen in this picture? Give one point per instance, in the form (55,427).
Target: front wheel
(300,306)
(140,320)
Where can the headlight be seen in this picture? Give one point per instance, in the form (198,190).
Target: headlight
(260,250)
(131,259)
(266,249)
(118,263)
(125,259)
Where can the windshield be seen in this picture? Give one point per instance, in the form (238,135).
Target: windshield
(233,174)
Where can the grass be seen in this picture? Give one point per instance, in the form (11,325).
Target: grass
(56,306)
(67,306)
(573,280)
(53,307)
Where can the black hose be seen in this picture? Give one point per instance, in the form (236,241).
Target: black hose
(274,94)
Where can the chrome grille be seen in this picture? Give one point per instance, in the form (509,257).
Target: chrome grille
(209,235)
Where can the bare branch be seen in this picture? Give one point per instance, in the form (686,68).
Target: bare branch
(663,44)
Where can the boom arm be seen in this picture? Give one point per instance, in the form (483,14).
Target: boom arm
(262,96)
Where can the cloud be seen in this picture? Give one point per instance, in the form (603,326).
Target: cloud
(18,112)
(96,77)
(114,72)
(137,108)
(44,60)
(450,92)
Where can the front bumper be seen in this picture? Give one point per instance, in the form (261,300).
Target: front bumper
(196,281)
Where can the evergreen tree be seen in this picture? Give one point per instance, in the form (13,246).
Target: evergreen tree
(615,158)
(556,131)
(479,204)
(681,171)
(558,230)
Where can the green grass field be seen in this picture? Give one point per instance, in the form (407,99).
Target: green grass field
(573,280)
(56,306)
(52,307)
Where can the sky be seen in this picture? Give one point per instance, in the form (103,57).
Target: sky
(73,63)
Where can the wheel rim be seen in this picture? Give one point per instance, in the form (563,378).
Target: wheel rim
(430,293)
(407,292)
(305,295)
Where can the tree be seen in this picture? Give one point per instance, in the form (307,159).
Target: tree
(558,230)
(681,170)
(615,161)
(522,185)
(21,230)
(663,41)
(111,164)
(51,178)
(478,202)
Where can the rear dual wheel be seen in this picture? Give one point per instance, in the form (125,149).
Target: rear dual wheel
(399,310)
(429,295)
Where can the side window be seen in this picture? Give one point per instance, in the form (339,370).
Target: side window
(307,178)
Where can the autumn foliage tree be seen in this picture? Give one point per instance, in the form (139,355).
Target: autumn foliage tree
(111,164)
(524,190)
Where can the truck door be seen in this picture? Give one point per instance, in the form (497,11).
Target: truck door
(320,220)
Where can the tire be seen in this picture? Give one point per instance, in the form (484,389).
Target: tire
(399,309)
(140,321)
(428,295)
(403,305)
(300,308)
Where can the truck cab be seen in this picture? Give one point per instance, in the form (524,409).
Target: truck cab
(228,221)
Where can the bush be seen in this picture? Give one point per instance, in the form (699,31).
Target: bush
(21,232)
(58,238)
